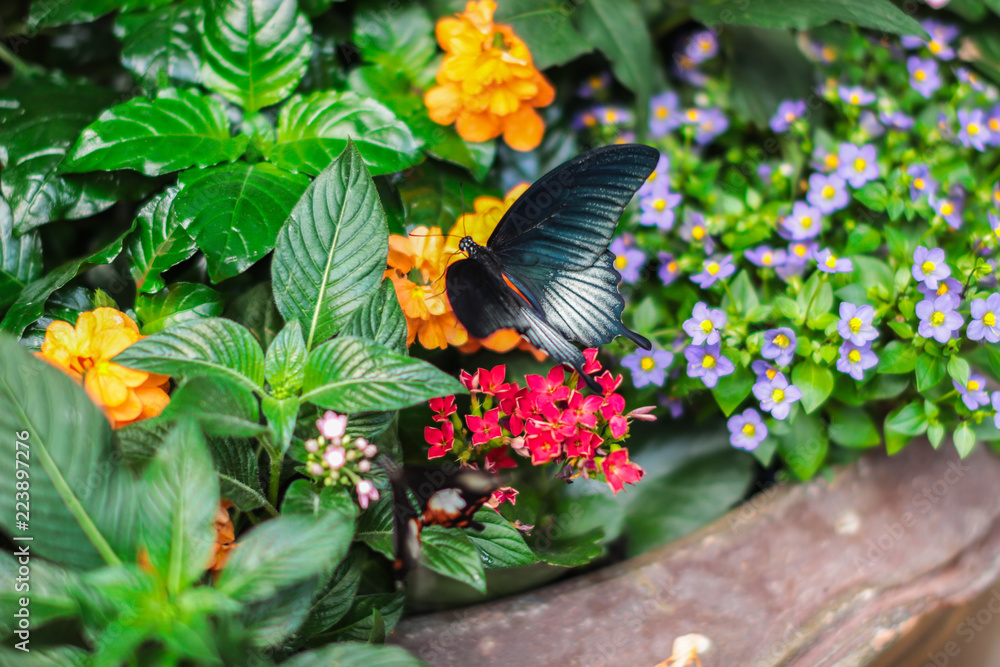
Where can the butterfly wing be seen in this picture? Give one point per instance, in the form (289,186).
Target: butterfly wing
(565,220)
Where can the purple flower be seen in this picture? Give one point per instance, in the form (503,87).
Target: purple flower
(788,112)
(705,324)
(896,120)
(701,46)
(746,430)
(710,124)
(659,180)
(949,286)
(827,193)
(779,344)
(969,78)
(985,317)
(776,396)
(856,95)
(938,318)
(799,254)
(612,115)
(766,257)
(824,160)
(585,119)
(663,114)
(657,208)
(804,222)
(827,262)
(765,370)
(941,35)
(713,269)
(856,359)
(994,224)
(857,164)
(707,363)
(594,85)
(628,259)
(973,130)
(668,270)
(950,207)
(648,366)
(764,172)
(929,266)
(974,392)
(922,183)
(868,122)
(855,323)
(924,77)
(993,123)
(694,229)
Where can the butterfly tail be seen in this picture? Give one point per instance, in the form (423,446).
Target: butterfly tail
(639,340)
(406,522)
(545,337)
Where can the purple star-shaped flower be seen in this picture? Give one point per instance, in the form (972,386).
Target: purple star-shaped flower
(628,259)
(938,319)
(929,266)
(856,95)
(766,257)
(779,344)
(648,366)
(828,193)
(973,393)
(949,286)
(711,123)
(985,319)
(896,120)
(855,323)
(827,262)
(804,222)
(799,254)
(922,183)
(706,362)
(746,430)
(857,164)
(594,85)
(658,180)
(664,114)
(776,396)
(788,112)
(705,324)
(856,359)
(612,115)
(924,77)
(713,269)
(695,229)
(765,370)
(668,270)
(970,78)
(973,131)
(656,208)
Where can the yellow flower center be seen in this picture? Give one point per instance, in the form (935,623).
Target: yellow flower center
(777,395)
(829,53)
(973,385)
(920,75)
(789,117)
(610,116)
(712,268)
(918,183)
(799,250)
(647,363)
(942,289)
(698,233)
(854,356)
(621,262)
(806,222)
(860,164)
(672,267)
(595,82)
(989,319)
(937,319)
(828,191)
(831,161)
(934,46)
(767,258)
(831,261)
(708,361)
(661,112)
(855,324)
(590,120)
(947,208)
(659,204)
(692,114)
(855,99)
(972,128)
(994,124)
(749,430)
(770,373)
(928,266)
(704,44)
(781,340)
(418,292)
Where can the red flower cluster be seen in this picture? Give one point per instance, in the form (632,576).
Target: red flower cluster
(548,421)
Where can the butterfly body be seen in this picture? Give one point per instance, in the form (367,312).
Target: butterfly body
(546,270)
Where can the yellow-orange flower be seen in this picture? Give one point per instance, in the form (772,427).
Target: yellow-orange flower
(225,538)
(85,351)
(487,84)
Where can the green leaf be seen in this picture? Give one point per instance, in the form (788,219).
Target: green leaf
(238,473)
(357,623)
(210,346)
(255,310)
(401,40)
(930,371)
(284,551)
(302,497)
(175,130)
(80,11)
(256,51)
(546,29)
(816,296)
(20,257)
(965,439)
(852,427)
(935,433)
(766,68)
(874,195)
(234,212)
(181,302)
(568,551)
(375,527)
(380,319)
(330,255)
(731,390)
(435,196)
(285,361)
(815,382)
(350,374)
(500,544)
(958,369)
(899,358)
(863,239)
(220,406)
(315,130)
(158,243)
(177,520)
(50,587)
(787,307)
(336,597)
(450,551)
(281,415)
(162,44)
(902,424)
(81,502)
(802,443)
(876,14)
(744,293)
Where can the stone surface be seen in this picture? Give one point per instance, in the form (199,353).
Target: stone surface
(810,575)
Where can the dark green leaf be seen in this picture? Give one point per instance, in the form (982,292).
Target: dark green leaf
(234,212)
(255,310)
(162,44)
(863,239)
(178,303)
(814,381)
(500,544)
(49,14)
(852,427)
(375,527)
(220,406)
(802,443)
(902,424)
(766,67)
(731,390)
(876,14)
(238,473)
(158,243)
(546,29)
(20,257)
(400,40)
(435,195)
(898,358)
(380,319)
(357,624)
(334,601)
(450,552)
(303,497)
(930,371)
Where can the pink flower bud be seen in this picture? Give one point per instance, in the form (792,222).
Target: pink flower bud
(334,457)
(331,425)
(312,446)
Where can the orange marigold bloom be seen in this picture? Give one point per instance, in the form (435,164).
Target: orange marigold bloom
(85,351)
(225,538)
(487,84)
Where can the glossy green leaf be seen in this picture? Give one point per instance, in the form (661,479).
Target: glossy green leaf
(547,29)
(375,527)
(358,622)
(210,346)
(898,358)
(285,361)
(380,319)
(80,11)
(234,212)
(158,243)
(450,552)
(401,40)
(802,443)
(876,14)
(220,406)
(958,370)
(331,253)
(163,43)
(852,427)
(814,381)
(930,371)
(312,131)
(336,597)
(303,497)
(20,257)
(965,439)
(731,390)
(178,303)
(350,374)
(281,415)
(500,544)
(255,51)
(433,196)
(175,130)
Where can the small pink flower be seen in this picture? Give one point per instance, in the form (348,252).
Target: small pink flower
(366,493)
(490,382)
(484,428)
(551,387)
(643,414)
(332,426)
(592,365)
(619,471)
(502,495)
(498,458)
(441,439)
(619,426)
(334,457)
(443,408)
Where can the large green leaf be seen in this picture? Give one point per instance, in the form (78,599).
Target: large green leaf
(330,255)
(81,502)
(766,68)
(877,14)
(400,40)
(211,346)
(158,243)
(175,304)
(163,43)
(234,212)
(314,130)
(546,29)
(80,11)
(285,361)
(218,405)
(177,525)
(350,654)
(49,588)
(450,552)
(375,527)
(815,381)
(255,51)
(350,374)
(802,442)
(20,257)
(500,544)
(334,600)
(239,475)
(175,130)
(380,319)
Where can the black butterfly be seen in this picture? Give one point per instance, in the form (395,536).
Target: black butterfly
(448,497)
(546,270)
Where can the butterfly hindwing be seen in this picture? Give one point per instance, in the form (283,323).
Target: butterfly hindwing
(567,217)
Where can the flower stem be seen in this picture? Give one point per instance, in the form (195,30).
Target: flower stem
(19,66)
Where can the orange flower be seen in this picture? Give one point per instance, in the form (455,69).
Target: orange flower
(225,538)
(487,84)
(85,351)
